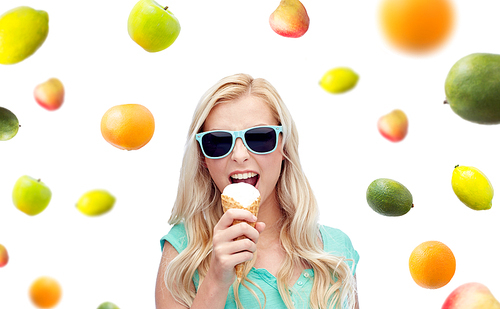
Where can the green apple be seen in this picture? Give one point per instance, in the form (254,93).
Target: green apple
(108,305)
(152,26)
(30,195)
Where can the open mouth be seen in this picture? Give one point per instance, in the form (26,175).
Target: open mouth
(250,178)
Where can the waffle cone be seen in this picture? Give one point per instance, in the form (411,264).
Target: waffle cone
(230,203)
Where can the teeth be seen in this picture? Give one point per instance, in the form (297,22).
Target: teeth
(243,176)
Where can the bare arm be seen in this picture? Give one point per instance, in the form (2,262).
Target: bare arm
(163,297)
(210,295)
(357,302)
(213,290)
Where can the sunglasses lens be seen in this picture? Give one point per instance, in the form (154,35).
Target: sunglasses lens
(217,144)
(261,139)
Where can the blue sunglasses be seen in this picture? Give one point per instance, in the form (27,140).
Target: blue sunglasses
(259,140)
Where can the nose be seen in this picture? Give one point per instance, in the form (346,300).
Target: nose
(240,152)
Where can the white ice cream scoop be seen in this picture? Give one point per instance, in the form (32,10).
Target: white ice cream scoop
(243,193)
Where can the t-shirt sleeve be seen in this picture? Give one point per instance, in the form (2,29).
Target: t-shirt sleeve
(177,237)
(338,243)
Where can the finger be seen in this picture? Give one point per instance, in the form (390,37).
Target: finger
(260,226)
(241,257)
(235,214)
(242,245)
(241,229)
(235,252)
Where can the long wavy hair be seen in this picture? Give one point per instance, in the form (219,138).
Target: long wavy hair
(198,206)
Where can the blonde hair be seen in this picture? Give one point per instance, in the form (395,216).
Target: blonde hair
(198,206)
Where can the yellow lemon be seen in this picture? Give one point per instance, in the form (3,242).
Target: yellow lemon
(472,187)
(95,202)
(339,80)
(22,31)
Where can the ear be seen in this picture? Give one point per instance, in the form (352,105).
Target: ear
(204,162)
(282,149)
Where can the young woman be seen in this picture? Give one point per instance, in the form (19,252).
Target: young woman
(242,132)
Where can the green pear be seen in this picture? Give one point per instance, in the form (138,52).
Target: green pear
(9,124)
(30,195)
(152,26)
(22,31)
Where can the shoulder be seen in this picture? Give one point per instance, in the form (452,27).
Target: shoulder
(163,296)
(336,242)
(177,237)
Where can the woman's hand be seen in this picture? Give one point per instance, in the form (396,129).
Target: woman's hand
(227,252)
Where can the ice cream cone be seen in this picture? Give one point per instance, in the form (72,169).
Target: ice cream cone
(230,203)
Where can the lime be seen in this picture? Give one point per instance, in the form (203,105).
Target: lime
(339,80)
(389,197)
(472,187)
(108,305)
(95,202)
(9,124)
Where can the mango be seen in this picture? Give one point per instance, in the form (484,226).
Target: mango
(22,31)
(472,88)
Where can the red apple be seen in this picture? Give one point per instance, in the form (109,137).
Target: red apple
(4,256)
(393,126)
(471,295)
(290,19)
(50,94)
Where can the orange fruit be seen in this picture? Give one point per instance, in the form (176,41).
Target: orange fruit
(417,25)
(432,264)
(128,126)
(45,292)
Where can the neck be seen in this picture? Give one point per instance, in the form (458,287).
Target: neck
(270,214)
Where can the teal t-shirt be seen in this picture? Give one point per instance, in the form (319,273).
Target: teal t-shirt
(335,242)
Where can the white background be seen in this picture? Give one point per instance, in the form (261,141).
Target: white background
(115,257)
